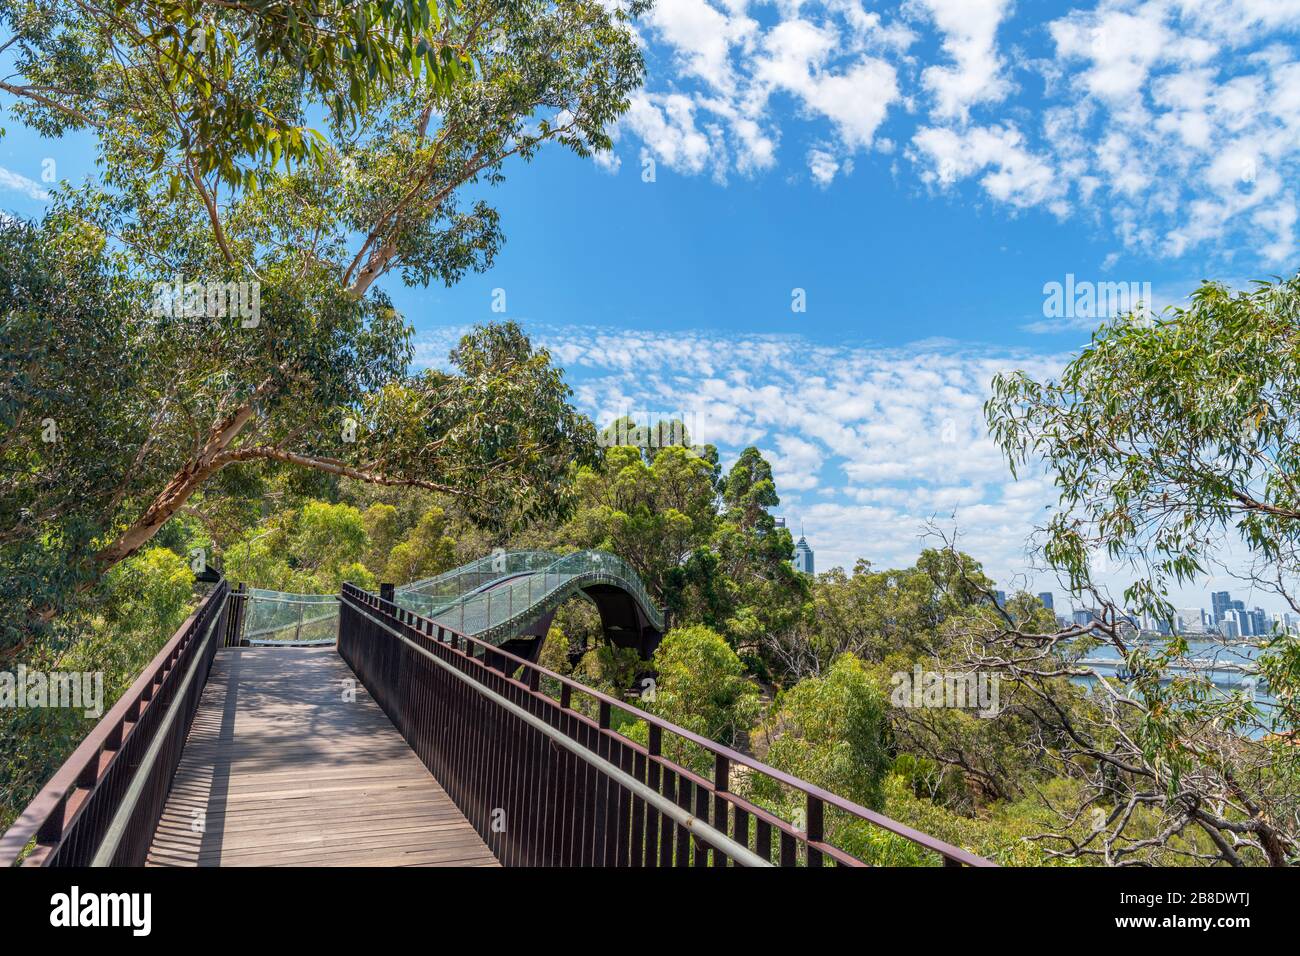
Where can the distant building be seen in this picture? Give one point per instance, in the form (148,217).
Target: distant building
(780,521)
(1084,617)
(1260,623)
(1245,622)
(1046,598)
(803,556)
(1222,602)
(1000,597)
(1192,620)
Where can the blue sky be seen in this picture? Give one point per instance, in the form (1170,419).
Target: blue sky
(920,172)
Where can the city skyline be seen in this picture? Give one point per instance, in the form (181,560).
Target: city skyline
(1228,618)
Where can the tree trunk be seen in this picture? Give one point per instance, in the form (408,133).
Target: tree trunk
(183,484)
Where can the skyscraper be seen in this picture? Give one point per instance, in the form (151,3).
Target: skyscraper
(1222,601)
(803,556)
(1244,621)
(1084,616)
(1259,622)
(1046,598)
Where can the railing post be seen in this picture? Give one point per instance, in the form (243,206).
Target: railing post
(387,592)
(235,615)
(814,810)
(721,784)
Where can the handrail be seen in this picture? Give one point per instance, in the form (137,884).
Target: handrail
(682,817)
(495,609)
(816,797)
(68,818)
(478,566)
(605,562)
(111,845)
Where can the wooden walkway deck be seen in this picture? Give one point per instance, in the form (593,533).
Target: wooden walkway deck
(281,770)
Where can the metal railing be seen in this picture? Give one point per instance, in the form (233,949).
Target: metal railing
(544,784)
(102,806)
(519,587)
(612,569)
(430,595)
(282,617)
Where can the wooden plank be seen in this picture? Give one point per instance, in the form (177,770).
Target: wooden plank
(281,768)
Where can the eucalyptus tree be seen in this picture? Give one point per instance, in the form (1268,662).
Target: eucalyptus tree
(1174,444)
(766,592)
(260,172)
(80,65)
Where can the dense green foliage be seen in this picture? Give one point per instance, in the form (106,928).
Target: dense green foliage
(196,362)
(1167,432)
(201,314)
(83,65)
(832,731)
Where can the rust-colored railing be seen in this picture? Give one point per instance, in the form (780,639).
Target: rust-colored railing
(102,806)
(546,785)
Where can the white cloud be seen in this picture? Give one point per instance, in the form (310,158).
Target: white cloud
(867,444)
(702,37)
(21,184)
(1175,123)
(1011,172)
(969,29)
(823,166)
(667,125)
(733,75)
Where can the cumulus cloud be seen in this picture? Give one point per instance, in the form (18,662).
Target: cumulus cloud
(823,166)
(1008,169)
(969,29)
(716,109)
(1174,122)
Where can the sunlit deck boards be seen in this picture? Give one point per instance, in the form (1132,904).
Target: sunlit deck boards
(281,770)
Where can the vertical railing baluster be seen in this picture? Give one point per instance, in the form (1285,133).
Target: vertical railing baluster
(721,785)
(813,810)
(653,781)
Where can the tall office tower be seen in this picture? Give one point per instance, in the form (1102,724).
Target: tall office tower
(803,556)
(1046,598)
(1244,620)
(1259,622)
(1222,601)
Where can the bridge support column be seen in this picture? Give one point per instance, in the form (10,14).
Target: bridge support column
(527,645)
